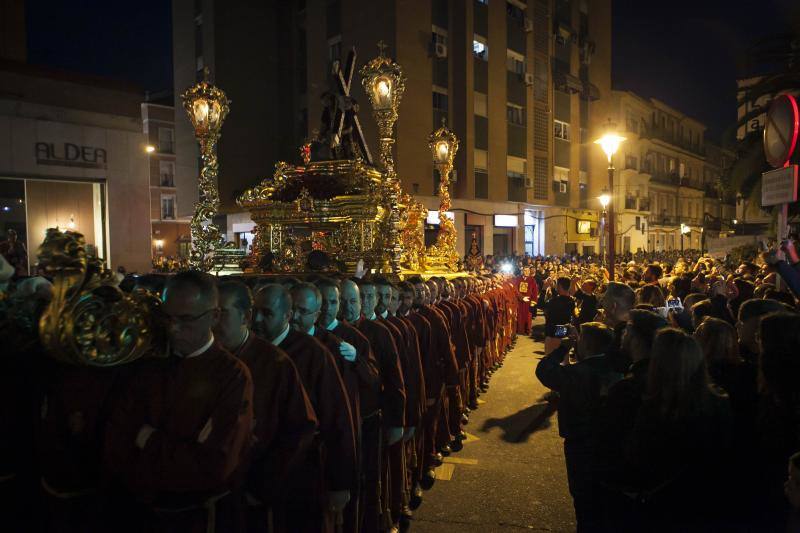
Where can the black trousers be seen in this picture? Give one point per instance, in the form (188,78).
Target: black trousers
(578,454)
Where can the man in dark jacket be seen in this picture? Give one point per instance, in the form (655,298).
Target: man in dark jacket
(582,387)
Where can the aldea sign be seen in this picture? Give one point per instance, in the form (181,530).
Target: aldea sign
(70,155)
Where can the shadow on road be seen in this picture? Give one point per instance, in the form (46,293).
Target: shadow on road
(519,426)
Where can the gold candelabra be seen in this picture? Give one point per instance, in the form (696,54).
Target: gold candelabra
(384,83)
(444,145)
(207,107)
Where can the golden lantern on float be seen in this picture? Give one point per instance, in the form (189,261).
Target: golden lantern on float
(444,145)
(207,107)
(384,83)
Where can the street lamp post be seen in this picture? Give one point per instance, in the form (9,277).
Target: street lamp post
(604,198)
(444,145)
(610,144)
(684,231)
(384,83)
(207,107)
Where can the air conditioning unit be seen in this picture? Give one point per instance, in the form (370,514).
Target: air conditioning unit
(529,183)
(529,78)
(440,50)
(562,187)
(527,24)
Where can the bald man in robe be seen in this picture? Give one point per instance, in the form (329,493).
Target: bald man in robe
(319,490)
(385,428)
(284,421)
(306,308)
(182,429)
(432,386)
(442,353)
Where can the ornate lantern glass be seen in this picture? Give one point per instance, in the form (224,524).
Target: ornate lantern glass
(207,107)
(444,145)
(384,83)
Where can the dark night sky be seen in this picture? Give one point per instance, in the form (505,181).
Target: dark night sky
(684,53)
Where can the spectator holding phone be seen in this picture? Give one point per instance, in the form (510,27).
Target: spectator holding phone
(583,387)
(559,308)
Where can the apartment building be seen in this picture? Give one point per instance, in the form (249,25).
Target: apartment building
(524,85)
(668,177)
(171,236)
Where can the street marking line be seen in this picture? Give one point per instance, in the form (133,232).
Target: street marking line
(460,461)
(444,472)
(470,438)
(481,401)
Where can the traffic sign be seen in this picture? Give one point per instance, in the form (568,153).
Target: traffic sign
(781,130)
(779,186)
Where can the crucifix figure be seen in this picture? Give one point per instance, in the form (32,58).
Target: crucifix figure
(347,136)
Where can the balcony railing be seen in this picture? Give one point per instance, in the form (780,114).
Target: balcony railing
(167,180)
(166,147)
(663,220)
(670,178)
(644,204)
(668,136)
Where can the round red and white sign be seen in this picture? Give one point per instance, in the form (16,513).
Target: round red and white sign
(781,131)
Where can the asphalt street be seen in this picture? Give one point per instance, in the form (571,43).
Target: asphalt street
(510,476)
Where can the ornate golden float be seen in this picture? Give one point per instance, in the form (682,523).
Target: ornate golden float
(338,203)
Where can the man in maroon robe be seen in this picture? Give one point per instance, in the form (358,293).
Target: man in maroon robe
(527,292)
(306,308)
(320,489)
(433,385)
(385,428)
(284,421)
(442,352)
(182,428)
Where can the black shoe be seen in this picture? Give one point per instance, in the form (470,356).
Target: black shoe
(428,479)
(416,498)
(467,410)
(446,450)
(457,445)
(438,459)
(464,419)
(405,521)
(473,406)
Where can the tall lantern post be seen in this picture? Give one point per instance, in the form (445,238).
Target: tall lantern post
(610,142)
(207,107)
(384,83)
(444,145)
(604,198)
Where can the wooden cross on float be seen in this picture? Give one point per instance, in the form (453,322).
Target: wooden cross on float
(343,80)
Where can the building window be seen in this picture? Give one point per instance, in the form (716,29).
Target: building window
(438,36)
(335,48)
(166,171)
(515,62)
(480,48)
(480,160)
(480,104)
(515,114)
(631,162)
(561,130)
(168,207)
(439,101)
(561,174)
(166,140)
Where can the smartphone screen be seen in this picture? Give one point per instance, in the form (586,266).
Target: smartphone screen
(561,331)
(674,303)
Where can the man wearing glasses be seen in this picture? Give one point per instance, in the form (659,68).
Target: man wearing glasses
(318,491)
(183,425)
(284,420)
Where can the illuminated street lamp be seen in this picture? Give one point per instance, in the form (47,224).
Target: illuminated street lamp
(149,148)
(384,84)
(610,142)
(207,107)
(444,145)
(685,230)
